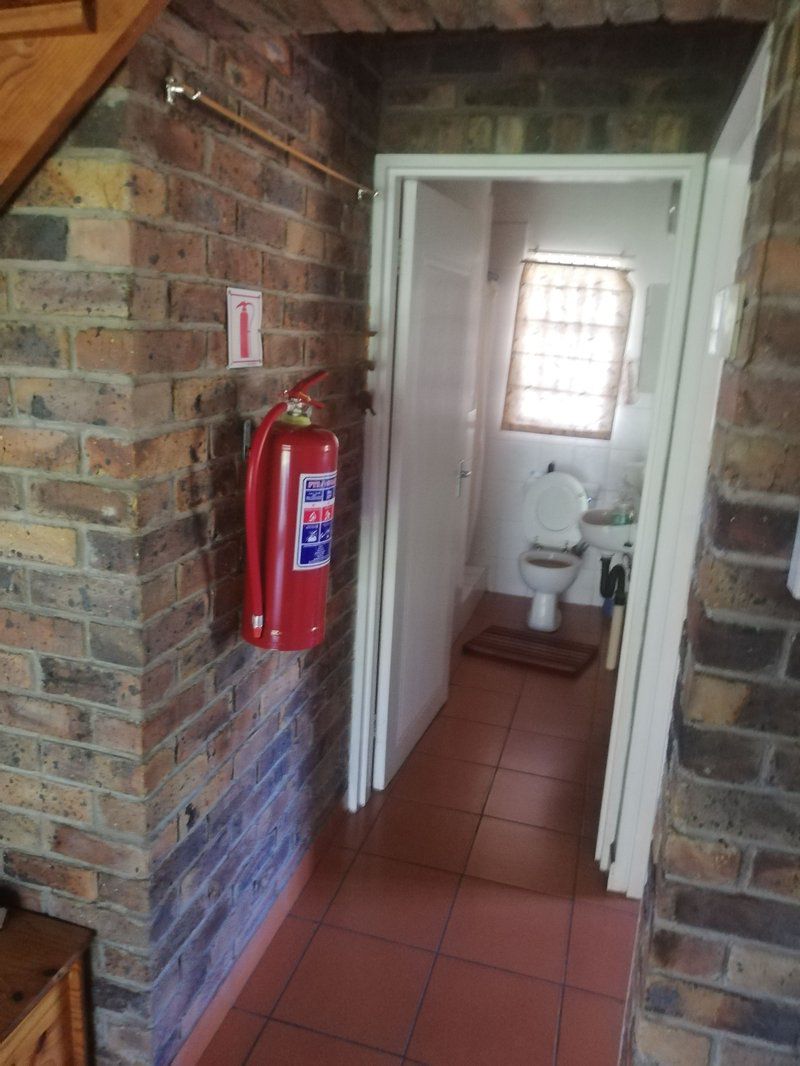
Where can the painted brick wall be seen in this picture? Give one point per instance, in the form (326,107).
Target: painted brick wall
(638,88)
(159,779)
(718,980)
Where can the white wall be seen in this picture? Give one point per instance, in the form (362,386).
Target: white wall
(612,219)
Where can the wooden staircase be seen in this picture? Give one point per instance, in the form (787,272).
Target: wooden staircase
(54,56)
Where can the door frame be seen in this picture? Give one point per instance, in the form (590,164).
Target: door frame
(662,514)
(633,776)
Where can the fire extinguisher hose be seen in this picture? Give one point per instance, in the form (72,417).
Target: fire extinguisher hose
(253,519)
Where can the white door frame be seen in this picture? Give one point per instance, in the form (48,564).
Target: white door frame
(638,749)
(662,515)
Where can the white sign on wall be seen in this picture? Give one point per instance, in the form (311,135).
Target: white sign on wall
(244,328)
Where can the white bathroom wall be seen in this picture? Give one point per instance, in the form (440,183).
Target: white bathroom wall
(613,219)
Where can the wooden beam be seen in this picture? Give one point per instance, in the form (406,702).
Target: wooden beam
(45,81)
(44,16)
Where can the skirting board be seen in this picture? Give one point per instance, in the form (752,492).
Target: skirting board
(230,989)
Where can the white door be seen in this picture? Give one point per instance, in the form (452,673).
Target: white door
(436,341)
(639,732)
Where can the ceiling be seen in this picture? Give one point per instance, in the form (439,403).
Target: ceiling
(403,16)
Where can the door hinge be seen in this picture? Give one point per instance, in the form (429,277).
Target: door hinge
(612,853)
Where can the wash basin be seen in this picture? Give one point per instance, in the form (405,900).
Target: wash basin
(608,529)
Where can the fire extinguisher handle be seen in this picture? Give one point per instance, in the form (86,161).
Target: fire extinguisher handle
(253,519)
(300,389)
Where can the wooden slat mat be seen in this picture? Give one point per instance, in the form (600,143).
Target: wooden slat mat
(533,649)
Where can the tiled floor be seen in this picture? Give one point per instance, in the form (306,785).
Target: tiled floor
(459,919)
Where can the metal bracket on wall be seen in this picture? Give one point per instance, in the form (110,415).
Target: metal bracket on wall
(247,437)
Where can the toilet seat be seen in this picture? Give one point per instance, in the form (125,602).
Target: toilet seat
(551,511)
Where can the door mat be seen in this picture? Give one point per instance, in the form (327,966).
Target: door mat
(539,650)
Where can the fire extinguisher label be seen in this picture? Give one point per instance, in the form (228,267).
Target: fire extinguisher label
(315,505)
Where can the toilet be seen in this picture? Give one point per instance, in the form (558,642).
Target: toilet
(551,514)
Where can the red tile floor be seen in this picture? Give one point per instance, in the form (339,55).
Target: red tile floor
(460,919)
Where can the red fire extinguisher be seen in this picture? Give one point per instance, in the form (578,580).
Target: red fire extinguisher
(290,491)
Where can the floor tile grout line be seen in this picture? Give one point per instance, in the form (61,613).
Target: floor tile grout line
(318,925)
(437,953)
(334,1036)
(574,900)
(259,1034)
(462,876)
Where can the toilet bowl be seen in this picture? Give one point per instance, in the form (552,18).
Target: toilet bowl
(551,514)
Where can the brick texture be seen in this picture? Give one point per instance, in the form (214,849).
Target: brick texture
(631,88)
(719,957)
(159,779)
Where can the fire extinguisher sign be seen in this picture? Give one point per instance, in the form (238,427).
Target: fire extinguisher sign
(315,504)
(244,328)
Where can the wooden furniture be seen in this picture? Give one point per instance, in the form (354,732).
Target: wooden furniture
(46,80)
(25,18)
(42,1008)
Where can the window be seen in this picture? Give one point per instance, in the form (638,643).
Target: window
(568,348)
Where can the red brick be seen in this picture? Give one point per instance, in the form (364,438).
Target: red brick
(32,345)
(712,861)
(238,263)
(235,169)
(16,670)
(178,788)
(195,398)
(62,801)
(122,815)
(90,183)
(98,852)
(197,302)
(139,352)
(260,226)
(22,629)
(70,879)
(39,543)
(83,502)
(240,69)
(39,449)
(70,762)
(671,1047)
(683,953)
(202,205)
(74,293)
(132,895)
(20,830)
(163,454)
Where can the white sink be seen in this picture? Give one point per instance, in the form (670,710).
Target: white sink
(605,530)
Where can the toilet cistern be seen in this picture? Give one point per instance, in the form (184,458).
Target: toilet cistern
(551,513)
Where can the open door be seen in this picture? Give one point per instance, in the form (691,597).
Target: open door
(640,728)
(438,308)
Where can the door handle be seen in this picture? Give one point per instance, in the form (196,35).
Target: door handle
(461,477)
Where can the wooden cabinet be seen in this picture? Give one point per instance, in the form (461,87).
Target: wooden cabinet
(42,1001)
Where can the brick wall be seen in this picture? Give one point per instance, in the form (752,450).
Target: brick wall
(718,980)
(159,779)
(639,88)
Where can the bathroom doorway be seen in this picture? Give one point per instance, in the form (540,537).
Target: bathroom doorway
(676,388)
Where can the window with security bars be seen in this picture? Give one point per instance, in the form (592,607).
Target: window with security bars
(570,333)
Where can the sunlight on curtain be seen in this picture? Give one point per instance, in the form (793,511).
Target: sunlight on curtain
(569,342)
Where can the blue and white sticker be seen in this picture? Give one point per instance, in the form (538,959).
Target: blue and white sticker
(315,503)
